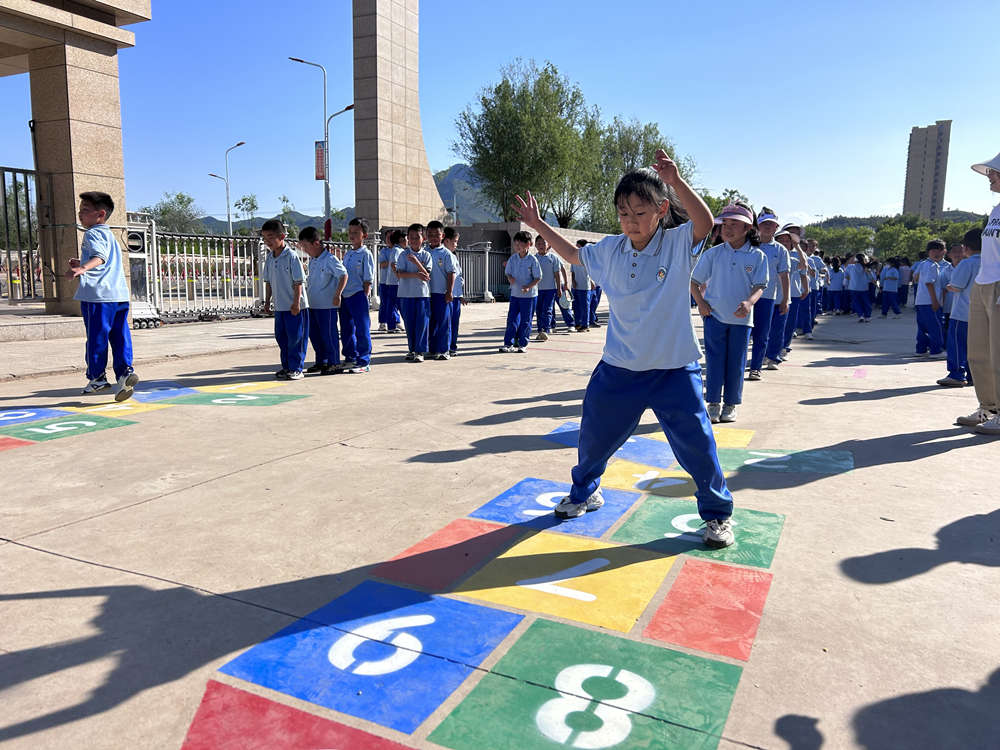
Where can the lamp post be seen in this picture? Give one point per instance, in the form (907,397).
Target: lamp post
(326,139)
(326,154)
(229,207)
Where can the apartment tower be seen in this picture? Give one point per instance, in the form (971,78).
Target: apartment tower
(926,169)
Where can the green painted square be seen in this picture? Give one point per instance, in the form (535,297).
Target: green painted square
(232,399)
(561,686)
(756,532)
(823,461)
(60,427)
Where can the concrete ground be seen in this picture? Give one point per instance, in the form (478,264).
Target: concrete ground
(138,560)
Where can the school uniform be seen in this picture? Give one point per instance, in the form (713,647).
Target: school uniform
(291,332)
(930,337)
(730,275)
(104,304)
(889,277)
(548,290)
(415,299)
(798,282)
(355,318)
(566,312)
(522,304)
(455,306)
(595,300)
(581,295)
(857,286)
(325,273)
(443,262)
(388,289)
(958,330)
(650,361)
(804,321)
(765,314)
(905,275)
(817,285)
(837,289)
(946,297)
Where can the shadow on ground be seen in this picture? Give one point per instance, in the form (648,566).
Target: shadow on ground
(799,732)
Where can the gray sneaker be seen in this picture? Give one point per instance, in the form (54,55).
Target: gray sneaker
(728,413)
(718,533)
(569,509)
(976,418)
(126,386)
(989,427)
(96,385)
(754,375)
(714,412)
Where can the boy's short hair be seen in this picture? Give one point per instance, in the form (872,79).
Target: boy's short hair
(273,225)
(396,236)
(435,224)
(523,236)
(415,227)
(357,221)
(582,243)
(100,201)
(973,239)
(309,234)
(450,233)
(936,245)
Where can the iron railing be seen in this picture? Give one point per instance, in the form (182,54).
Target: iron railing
(21,268)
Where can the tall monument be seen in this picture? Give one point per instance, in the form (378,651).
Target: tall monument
(393,184)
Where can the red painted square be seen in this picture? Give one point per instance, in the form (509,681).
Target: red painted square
(446,556)
(233,719)
(6,443)
(712,607)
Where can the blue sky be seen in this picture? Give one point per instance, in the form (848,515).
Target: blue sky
(804,107)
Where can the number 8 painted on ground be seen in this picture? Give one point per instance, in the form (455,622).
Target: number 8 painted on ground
(617,724)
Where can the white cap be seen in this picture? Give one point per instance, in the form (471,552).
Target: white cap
(767,216)
(993,164)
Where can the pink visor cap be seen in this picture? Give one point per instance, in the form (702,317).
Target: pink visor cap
(767,217)
(739,213)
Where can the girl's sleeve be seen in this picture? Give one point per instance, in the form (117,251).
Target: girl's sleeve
(760,274)
(368,272)
(703,268)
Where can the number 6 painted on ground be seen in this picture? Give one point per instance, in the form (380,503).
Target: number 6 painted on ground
(408,647)
(617,722)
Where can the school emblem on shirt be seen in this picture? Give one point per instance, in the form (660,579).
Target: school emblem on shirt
(748,269)
(661,273)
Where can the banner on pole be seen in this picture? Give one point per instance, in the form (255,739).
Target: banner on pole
(320,160)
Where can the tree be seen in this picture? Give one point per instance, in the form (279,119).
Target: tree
(729,195)
(176,212)
(573,186)
(288,216)
(247,206)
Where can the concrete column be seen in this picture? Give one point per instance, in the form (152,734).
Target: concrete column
(76,107)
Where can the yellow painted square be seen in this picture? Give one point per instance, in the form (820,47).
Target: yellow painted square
(626,475)
(725,437)
(586,580)
(124,409)
(246,387)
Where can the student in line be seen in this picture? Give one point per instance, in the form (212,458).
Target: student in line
(905,275)
(388,284)
(451,238)
(355,315)
(857,287)
(836,287)
(581,292)
(524,274)
(651,352)
(549,288)
(927,301)
(889,278)
(798,281)
(413,270)
(443,268)
(324,288)
(283,278)
(770,310)
(960,289)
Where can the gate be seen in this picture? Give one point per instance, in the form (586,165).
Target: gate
(20,260)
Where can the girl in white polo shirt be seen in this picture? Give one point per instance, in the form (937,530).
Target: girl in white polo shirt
(651,353)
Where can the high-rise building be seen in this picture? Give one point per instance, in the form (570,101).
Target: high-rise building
(926,169)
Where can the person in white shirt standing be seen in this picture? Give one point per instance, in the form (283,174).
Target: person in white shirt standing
(984,319)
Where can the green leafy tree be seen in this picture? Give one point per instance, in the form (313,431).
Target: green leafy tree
(717,203)
(177,212)
(573,186)
(287,216)
(247,207)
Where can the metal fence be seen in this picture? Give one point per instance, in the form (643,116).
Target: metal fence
(21,265)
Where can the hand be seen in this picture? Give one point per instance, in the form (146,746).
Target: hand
(704,309)
(783,308)
(464,301)
(74,262)
(935,306)
(336,300)
(294,309)
(527,211)
(525,289)
(804,294)
(743,309)
(448,297)
(423,276)
(666,168)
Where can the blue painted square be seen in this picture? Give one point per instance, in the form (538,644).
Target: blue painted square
(158,390)
(639,450)
(19,416)
(382,653)
(529,503)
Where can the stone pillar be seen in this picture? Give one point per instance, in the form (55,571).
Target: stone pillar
(392,179)
(76,108)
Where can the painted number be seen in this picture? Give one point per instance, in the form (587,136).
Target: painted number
(408,647)
(235,399)
(50,429)
(616,723)
(8,415)
(652,480)
(550,583)
(547,500)
(687,527)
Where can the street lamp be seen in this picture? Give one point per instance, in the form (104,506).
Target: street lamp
(326,154)
(326,138)
(229,207)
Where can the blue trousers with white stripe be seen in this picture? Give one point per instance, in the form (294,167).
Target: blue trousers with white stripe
(416,317)
(725,358)
(763,309)
(292,334)
(356,328)
(439,331)
(323,334)
(545,310)
(106,323)
(776,337)
(388,309)
(519,316)
(929,335)
(958,350)
(612,407)
(455,310)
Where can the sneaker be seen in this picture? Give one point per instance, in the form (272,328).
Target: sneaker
(410,356)
(519,349)
(382,328)
(976,418)
(359,369)
(96,385)
(418,357)
(399,327)
(939,355)
(453,352)
(950,382)
(595,324)
(295,375)
(714,412)
(281,374)
(315,368)
(442,357)
(347,364)
(754,375)
(809,337)
(989,427)
(126,385)
(329,370)
(770,364)
(570,329)
(505,349)
(718,533)
(728,413)
(569,509)
(786,351)
(542,336)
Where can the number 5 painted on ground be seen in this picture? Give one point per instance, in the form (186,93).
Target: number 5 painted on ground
(235,398)
(546,500)
(408,647)
(614,714)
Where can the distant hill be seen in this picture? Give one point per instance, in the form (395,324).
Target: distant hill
(219,226)
(845,222)
(459,181)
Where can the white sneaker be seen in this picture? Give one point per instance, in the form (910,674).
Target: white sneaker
(770,364)
(96,385)
(126,386)
(505,349)
(809,337)
(399,327)
(418,357)
(441,357)
(714,412)
(728,413)
(785,352)
(569,509)
(410,356)
(295,375)
(718,534)
(989,427)
(453,353)
(754,375)
(519,349)
(976,418)
(382,328)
